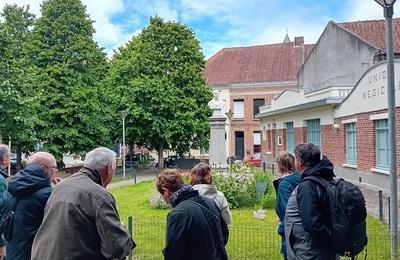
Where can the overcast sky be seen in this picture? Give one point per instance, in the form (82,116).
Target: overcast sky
(222,23)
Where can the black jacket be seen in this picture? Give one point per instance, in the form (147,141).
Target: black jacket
(30,188)
(312,201)
(191,232)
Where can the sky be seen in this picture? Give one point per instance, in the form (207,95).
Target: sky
(219,24)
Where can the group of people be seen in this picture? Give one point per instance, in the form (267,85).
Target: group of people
(302,204)
(79,219)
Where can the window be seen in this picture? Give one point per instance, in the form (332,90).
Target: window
(351,148)
(290,137)
(257,142)
(238,109)
(382,144)
(257,103)
(314,132)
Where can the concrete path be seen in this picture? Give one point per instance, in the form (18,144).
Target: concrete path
(142,175)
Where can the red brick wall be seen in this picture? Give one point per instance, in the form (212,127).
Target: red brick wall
(300,135)
(250,124)
(365,141)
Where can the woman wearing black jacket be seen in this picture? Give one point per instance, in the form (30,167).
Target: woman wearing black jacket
(195,228)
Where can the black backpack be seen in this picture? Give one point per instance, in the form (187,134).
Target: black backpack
(347,213)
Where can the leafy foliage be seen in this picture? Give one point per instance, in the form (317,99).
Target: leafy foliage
(17,104)
(67,69)
(239,189)
(158,77)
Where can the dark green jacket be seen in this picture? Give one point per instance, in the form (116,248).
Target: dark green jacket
(3,188)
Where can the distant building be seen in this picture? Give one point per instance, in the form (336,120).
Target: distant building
(248,78)
(340,103)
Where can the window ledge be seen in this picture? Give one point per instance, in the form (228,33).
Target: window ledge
(380,171)
(347,165)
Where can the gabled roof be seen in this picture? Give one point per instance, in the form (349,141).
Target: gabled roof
(255,64)
(373,32)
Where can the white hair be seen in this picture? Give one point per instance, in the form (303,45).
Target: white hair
(99,158)
(4,150)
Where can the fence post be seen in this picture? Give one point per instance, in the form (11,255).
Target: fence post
(380,205)
(273,169)
(389,212)
(130,224)
(264,166)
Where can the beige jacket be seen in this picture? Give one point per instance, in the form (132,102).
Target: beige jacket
(210,191)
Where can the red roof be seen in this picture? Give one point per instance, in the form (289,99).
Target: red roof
(374,33)
(256,64)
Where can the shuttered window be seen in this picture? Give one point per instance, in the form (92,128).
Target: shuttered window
(382,144)
(351,148)
(238,109)
(314,132)
(290,137)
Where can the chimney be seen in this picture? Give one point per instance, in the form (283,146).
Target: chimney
(298,41)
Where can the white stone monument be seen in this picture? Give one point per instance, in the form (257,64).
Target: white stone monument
(217,123)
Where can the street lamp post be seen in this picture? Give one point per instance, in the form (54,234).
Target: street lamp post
(123,114)
(388,13)
(229,114)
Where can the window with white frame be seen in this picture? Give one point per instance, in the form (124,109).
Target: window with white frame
(238,109)
(314,132)
(382,144)
(351,144)
(256,142)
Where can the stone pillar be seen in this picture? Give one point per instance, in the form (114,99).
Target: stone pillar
(217,149)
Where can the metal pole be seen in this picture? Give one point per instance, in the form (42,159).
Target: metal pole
(9,165)
(388,12)
(123,145)
(130,225)
(380,197)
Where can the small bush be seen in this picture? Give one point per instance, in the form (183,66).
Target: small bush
(157,201)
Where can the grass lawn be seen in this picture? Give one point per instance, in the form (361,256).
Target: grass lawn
(249,238)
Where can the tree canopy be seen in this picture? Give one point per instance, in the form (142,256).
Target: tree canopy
(157,76)
(17,108)
(67,68)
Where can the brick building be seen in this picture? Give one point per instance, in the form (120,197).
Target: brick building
(249,77)
(340,103)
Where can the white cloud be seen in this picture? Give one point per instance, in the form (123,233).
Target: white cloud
(367,10)
(109,34)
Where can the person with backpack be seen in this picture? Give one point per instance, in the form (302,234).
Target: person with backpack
(284,187)
(195,228)
(5,157)
(307,218)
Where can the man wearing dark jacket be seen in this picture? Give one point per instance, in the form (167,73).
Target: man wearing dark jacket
(5,157)
(81,219)
(306,219)
(29,191)
(195,228)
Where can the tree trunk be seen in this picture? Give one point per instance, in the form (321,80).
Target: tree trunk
(19,157)
(160,157)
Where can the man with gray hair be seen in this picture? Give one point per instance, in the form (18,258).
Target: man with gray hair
(81,219)
(5,157)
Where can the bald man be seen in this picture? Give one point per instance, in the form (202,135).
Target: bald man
(28,192)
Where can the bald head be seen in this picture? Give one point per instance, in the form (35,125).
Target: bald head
(46,161)
(42,158)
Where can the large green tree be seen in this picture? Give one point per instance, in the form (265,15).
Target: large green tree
(17,104)
(67,70)
(157,76)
